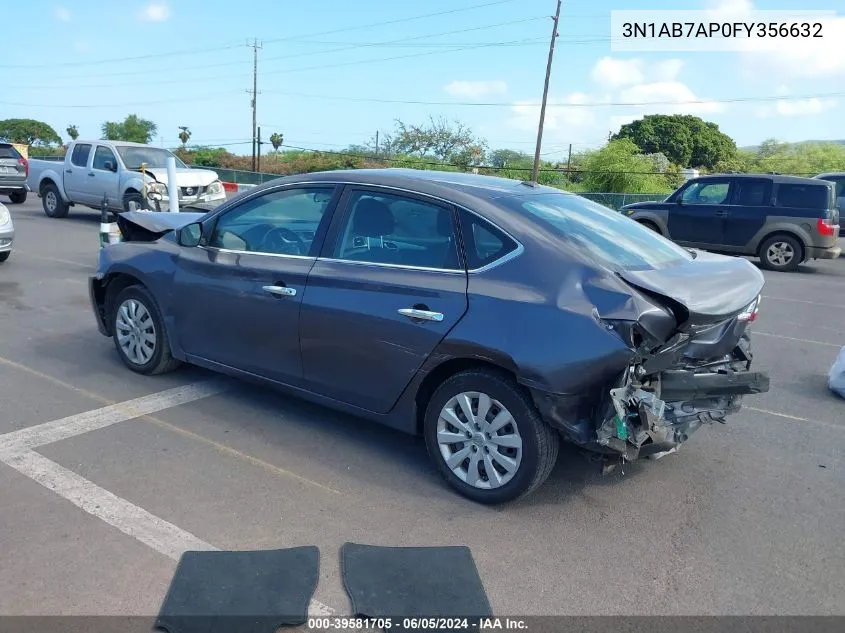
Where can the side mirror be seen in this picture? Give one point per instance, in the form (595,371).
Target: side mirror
(110,166)
(190,235)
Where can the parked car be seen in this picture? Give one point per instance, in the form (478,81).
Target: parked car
(491,316)
(838,179)
(93,170)
(783,220)
(13,172)
(7,233)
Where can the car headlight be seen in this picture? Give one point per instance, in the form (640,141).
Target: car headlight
(215,188)
(157,187)
(5,217)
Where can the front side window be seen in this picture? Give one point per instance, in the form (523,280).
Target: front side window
(278,223)
(706,193)
(612,239)
(103,155)
(80,155)
(384,228)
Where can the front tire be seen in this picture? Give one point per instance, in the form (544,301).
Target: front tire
(52,201)
(781,252)
(17,197)
(139,334)
(487,439)
(4,256)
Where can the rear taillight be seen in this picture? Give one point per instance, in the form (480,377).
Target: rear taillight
(749,315)
(826,227)
(25,164)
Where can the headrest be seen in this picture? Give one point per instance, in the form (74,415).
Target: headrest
(372,219)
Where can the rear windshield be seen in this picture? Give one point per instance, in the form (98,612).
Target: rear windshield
(804,196)
(7,151)
(608,237)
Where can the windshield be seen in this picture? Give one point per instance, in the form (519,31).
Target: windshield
(612,239)
(154,157)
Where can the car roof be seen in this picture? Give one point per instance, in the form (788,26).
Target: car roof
(121,143)
(426,181)
(780,178)
(828,174)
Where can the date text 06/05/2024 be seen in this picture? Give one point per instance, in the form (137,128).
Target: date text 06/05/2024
(762,30)
(417,623)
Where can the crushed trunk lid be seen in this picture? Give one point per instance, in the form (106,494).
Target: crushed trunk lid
(708,289)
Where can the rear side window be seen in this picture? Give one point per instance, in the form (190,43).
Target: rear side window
(605,236)
(80,155)
(752,193)
(483,242)
(803,196)
(7,151)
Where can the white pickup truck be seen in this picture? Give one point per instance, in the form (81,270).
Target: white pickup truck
(92,170)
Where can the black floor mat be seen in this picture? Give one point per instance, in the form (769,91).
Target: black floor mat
(407,582)
(248,592)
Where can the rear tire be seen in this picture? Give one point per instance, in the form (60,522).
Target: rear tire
(4,256)
(139,334)
(781,252)
(510,450)
(52,201)
(17,197)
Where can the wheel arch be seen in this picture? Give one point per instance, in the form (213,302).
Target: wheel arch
(781,231)
(106,290)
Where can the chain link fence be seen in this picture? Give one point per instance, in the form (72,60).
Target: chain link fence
(616,201)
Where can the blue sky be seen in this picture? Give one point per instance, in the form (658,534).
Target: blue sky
(326,83)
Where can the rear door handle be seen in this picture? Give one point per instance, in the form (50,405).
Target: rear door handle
(424,315)
(91,173)
(280,291)
(68,171)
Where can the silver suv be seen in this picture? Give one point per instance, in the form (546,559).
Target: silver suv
(14,169)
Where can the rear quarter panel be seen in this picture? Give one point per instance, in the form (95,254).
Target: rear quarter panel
(39,170)
(800,223)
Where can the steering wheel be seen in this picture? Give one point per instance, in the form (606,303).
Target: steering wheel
(281,240)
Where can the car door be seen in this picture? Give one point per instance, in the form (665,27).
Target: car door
(697,217)
(751,203)
(76,173)
(388,287)
(103,179)
(237,296)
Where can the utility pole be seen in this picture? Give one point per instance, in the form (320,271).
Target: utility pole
(534,171)
(258,165)
(376,143)
(254,92)
(568,162)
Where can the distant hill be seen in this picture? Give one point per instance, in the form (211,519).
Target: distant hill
(754,148)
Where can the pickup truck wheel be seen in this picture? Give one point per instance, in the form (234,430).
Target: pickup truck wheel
(781,252)
(52,201)
(4,256)
(137,198)
(487,439)
(17,197)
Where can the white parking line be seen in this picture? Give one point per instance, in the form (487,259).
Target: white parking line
(16,451)
(792,338)
(812,303)
(838,427)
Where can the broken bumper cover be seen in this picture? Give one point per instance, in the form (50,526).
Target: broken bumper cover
(644,423)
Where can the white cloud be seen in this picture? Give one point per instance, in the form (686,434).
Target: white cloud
(155,12)
(668,69)
(670,97)
(797,107)
(476,89)
(613,72)
(61,14)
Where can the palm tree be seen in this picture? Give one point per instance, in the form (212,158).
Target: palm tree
(276,140)
(72,132)
(184,135)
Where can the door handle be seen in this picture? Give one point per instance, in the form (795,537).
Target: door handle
(68,171)
(91,173)
(280,291)
(722,214)
(423,315)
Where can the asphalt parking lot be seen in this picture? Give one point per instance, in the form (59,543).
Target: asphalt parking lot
(95,509)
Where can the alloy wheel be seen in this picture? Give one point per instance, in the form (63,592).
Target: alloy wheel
(479,440)
(780,253)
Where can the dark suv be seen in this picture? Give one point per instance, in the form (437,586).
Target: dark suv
(783,220)
(14,169)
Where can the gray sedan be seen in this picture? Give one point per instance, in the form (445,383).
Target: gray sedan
(7,233)
(494,317)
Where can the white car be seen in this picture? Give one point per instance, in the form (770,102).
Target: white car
(7,233)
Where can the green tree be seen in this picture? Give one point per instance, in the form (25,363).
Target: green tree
(72,131)
(685,140)
(132,128)
(28,131)
(276,140)
(501,158)
(440,139)
(184,134)
(619,167)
